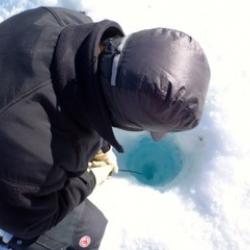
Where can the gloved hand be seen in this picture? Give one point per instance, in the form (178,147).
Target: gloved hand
(103,165)
(107,158)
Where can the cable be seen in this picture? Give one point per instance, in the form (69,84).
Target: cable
(130,171)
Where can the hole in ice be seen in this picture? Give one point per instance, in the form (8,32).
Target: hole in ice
(153,163)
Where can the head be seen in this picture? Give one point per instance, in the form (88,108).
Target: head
(154,80)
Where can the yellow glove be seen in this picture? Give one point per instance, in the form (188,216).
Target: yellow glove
(103,165)
(101,173)
(107,158)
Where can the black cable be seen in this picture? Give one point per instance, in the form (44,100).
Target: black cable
(130,171)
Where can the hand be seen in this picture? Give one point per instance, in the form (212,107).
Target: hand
(103,165)
(107,158)
(101,173)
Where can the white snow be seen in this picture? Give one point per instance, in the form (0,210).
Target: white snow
(208,205)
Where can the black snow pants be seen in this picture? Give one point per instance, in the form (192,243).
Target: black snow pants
(81,229)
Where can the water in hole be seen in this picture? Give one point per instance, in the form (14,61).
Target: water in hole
(152,163)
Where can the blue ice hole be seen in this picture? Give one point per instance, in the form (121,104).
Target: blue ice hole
(152,163)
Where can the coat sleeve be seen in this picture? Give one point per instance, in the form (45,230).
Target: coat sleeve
(74,192)
(27,213)
(38,149)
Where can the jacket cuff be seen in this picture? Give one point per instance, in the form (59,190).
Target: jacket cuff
(105,146)
(89,178)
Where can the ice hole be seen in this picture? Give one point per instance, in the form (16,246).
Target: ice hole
(152,163)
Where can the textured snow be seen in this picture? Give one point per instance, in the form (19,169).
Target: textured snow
(207,205)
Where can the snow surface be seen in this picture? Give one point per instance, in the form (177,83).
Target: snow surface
(207,205)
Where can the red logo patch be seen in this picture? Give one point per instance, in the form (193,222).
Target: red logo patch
(85,241)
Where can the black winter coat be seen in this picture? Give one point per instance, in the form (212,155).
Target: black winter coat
(52,115)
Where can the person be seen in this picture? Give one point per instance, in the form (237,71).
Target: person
(66,81)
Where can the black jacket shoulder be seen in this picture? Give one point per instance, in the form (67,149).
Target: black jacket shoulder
(27,46)
(66,17)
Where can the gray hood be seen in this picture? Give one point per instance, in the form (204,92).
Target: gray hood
(159,84)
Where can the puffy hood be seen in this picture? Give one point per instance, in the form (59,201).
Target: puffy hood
(159,82)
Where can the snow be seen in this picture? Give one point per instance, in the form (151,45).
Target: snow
(206,204)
